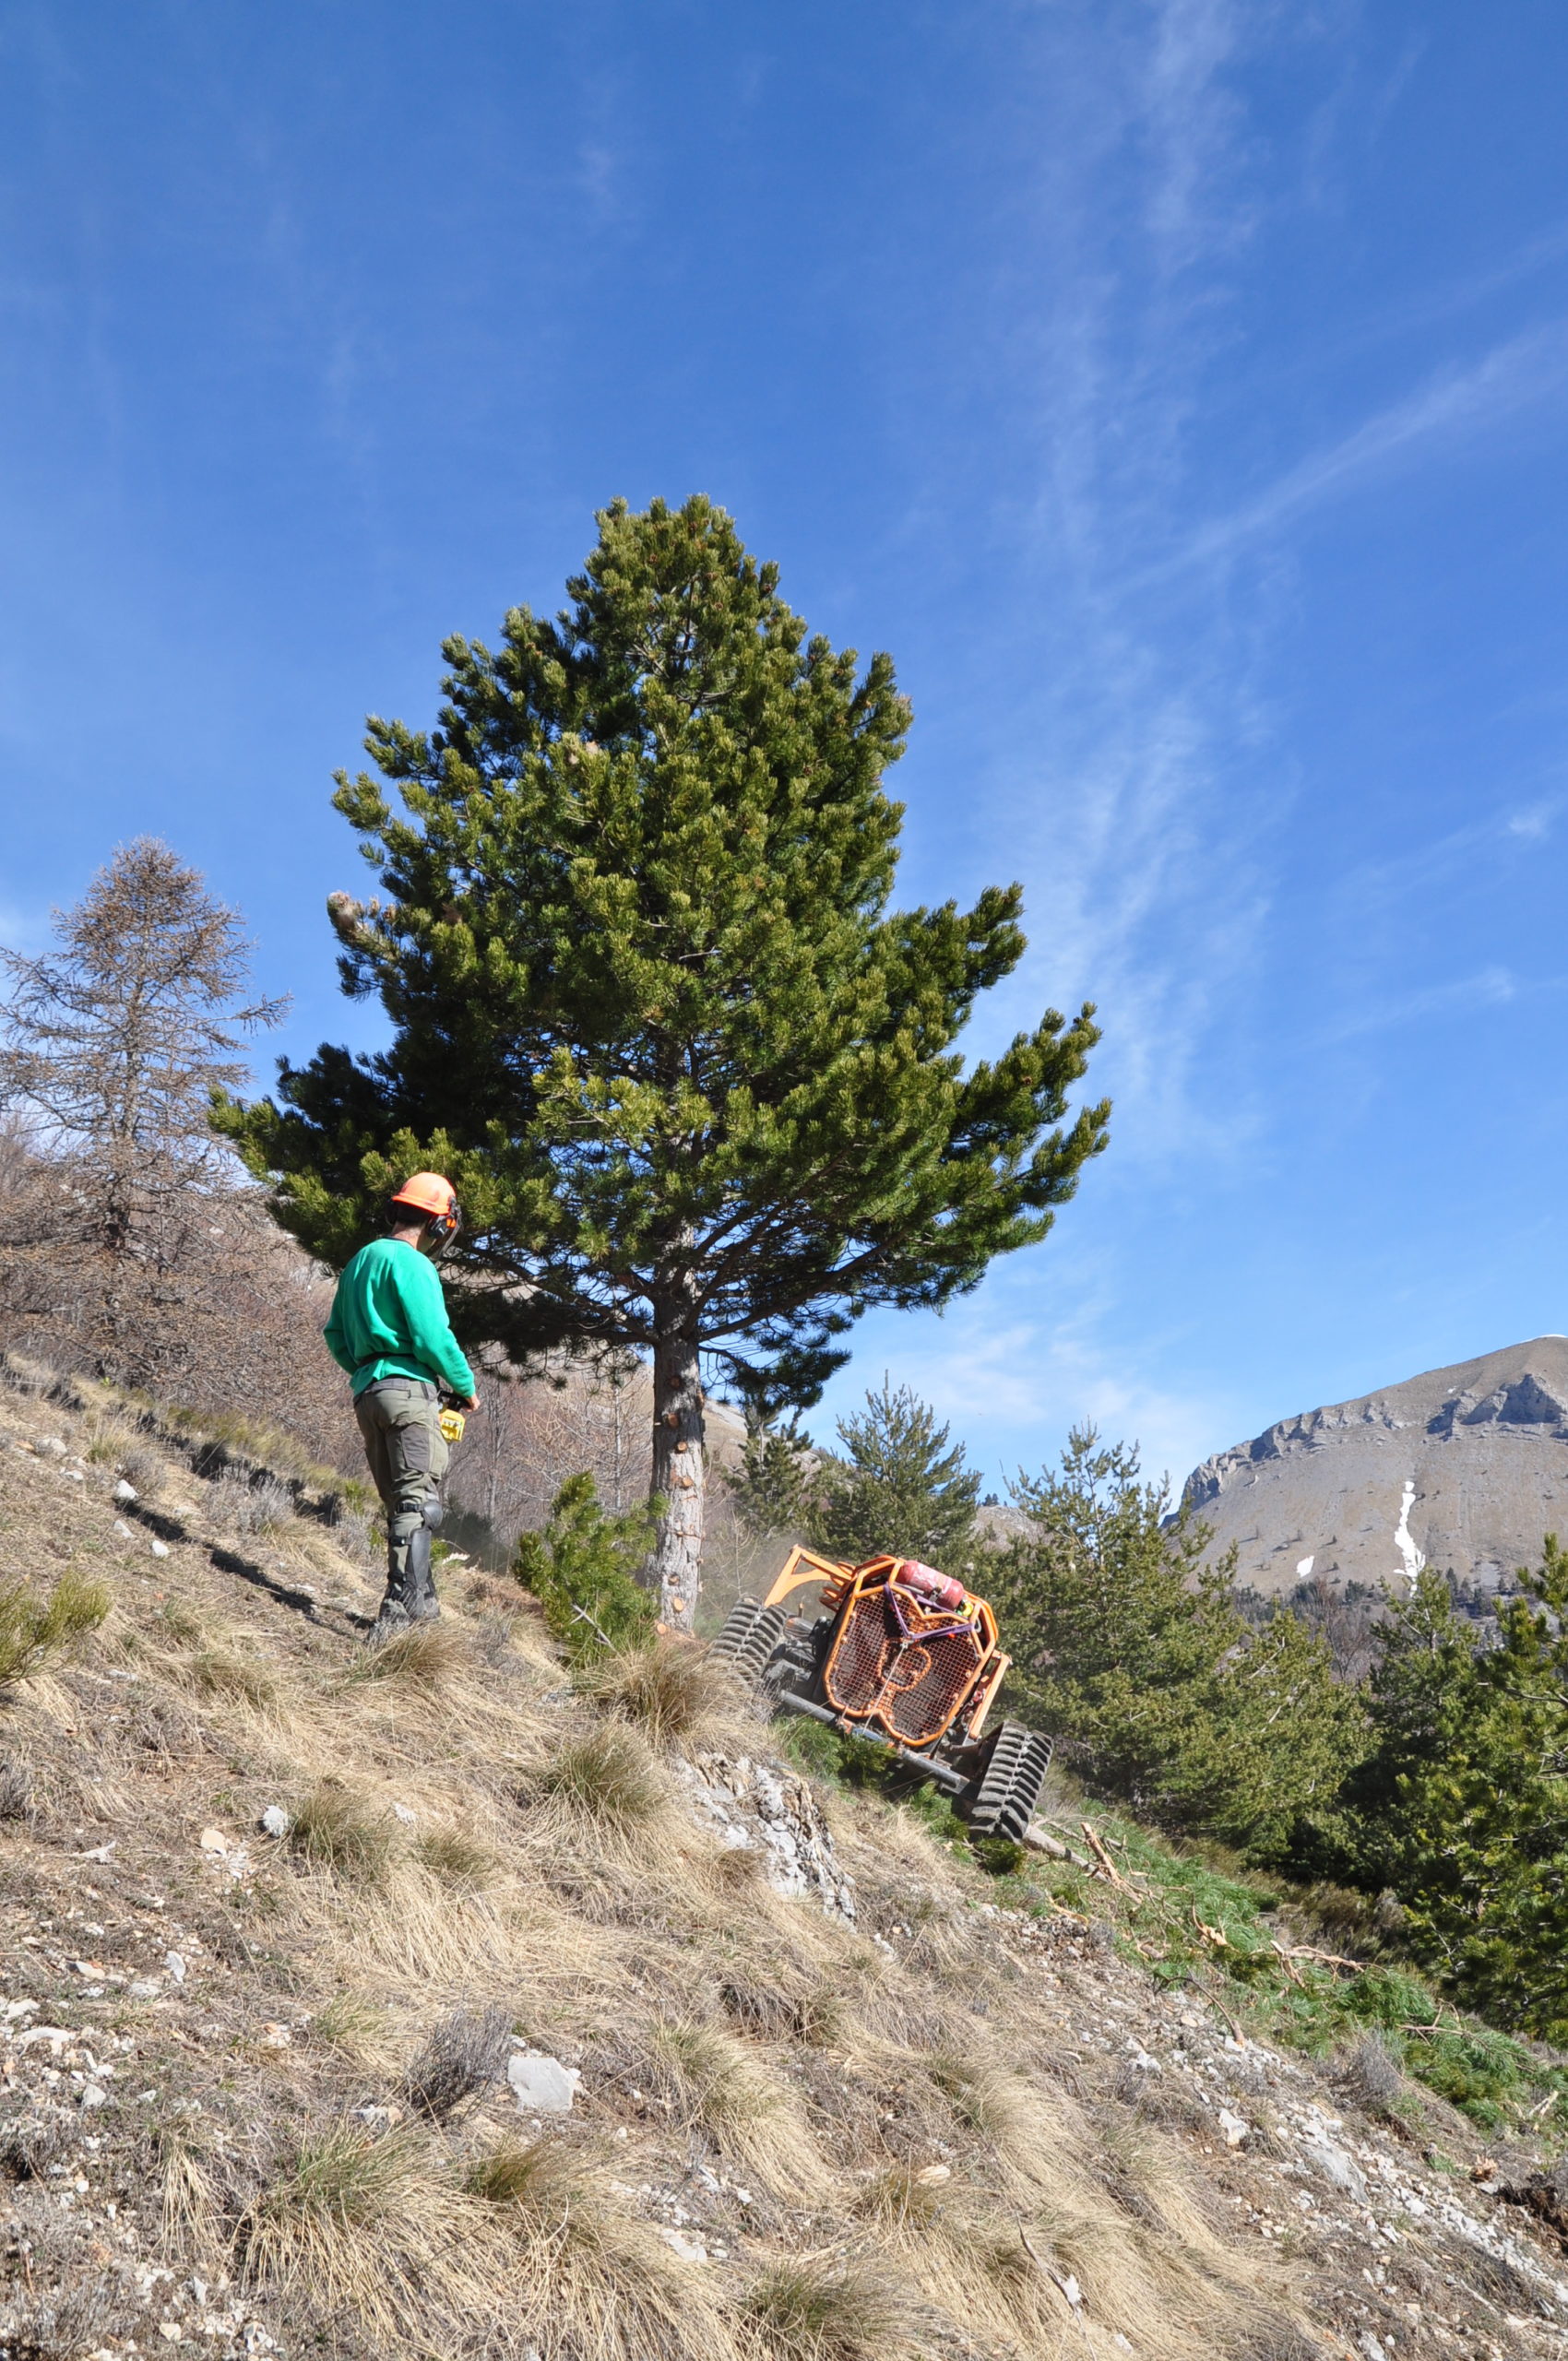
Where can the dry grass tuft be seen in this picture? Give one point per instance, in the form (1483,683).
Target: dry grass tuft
(898,2197)
(182,1622)
(607,1778)
(805,2311)
(354,2025)
(357,2223)
(457,1861)
(32,1628)
(814,2013)
(335,1828)
(987,2099)
(188,2202)
(586,2278)
(106,1440)
(672,1689)
(218,1666)
(423,1657)
(463,2054)
(225,1672)
(713,2083)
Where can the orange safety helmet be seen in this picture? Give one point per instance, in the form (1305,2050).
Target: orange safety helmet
(431,1194)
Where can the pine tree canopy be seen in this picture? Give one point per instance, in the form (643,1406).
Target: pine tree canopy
(1126,1640)
(904,1493)
(1462,1804)
(696,1082)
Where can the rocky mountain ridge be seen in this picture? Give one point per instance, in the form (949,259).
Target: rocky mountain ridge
(1465,1469)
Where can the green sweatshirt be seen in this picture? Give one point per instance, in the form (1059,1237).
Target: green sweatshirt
(389,1320)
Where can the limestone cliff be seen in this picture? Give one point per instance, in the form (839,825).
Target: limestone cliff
(1465,1469)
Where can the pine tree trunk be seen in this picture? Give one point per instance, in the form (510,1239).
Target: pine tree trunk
(679,1473)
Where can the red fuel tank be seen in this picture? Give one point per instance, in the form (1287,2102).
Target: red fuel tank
(941,1589)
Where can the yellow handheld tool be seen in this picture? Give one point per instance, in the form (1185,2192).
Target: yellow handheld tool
(452,1423)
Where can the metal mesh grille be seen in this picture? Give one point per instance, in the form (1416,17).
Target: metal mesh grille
(912,1679)
(921,1710)
(859,1653)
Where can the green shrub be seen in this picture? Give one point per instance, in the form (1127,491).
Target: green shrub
(582,1567)
(33,1628)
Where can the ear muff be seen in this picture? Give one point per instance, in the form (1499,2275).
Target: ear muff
(440,1230)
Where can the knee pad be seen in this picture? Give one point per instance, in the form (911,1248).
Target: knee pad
(434,1513)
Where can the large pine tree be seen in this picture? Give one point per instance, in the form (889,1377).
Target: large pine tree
(696,1082)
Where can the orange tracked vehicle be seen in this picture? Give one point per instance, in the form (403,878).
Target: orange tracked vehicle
(905,1657)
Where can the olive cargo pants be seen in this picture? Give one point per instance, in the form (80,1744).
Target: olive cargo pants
(400,1421)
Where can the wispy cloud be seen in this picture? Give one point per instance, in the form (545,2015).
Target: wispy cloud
(1012,1386)
(1489,988)
(1449,405)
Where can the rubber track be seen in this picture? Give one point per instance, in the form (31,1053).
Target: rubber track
(749,1636)
(1005,1799)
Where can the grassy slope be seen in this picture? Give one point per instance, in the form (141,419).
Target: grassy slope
(249,2083)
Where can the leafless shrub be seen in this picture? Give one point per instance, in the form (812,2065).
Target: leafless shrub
(34,1380)
(463,2054)
(354,1532)
(31,2143)
(144,1469)
(1367,2075)
(264,1504)
(17,1796)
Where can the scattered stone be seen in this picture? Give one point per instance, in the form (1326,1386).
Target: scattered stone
(73,1475)
(126,1493)
(175,1965)
(1335,2166)
(122,1528)
(541,2085)
(1235,2127)
(275,2037)
(93,2094)
(51,1446)
(146,1987)
(161,1548)
(213,1840)
(689,2249)
(275,1821)
(402,1813)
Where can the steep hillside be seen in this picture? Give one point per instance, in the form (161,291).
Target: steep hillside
(417,2004)
(1464,1468)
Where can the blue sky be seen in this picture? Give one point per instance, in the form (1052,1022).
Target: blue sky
(1177,389)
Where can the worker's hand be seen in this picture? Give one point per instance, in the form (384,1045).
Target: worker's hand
(471,1404)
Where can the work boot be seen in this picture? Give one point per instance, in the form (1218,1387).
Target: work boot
(398,1606)
(424,1605)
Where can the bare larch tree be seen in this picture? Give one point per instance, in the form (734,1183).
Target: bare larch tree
(128,1216)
